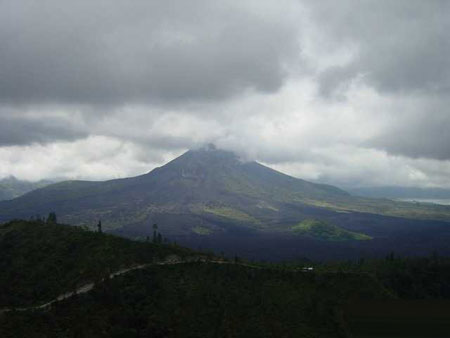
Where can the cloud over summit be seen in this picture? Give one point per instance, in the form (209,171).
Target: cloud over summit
(349,92)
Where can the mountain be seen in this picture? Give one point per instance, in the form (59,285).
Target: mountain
(210,198)
(206,181)
(11,187)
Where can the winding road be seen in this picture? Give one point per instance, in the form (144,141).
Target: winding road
(171,260)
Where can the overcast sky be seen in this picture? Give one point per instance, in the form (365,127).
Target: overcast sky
(353,93)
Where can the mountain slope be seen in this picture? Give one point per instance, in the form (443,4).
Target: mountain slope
(192,183)
(202,177)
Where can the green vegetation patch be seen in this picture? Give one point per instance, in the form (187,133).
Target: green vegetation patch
(326,231)
(231,213)
(200,230)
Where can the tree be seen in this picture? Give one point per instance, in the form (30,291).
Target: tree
(99,226)
(390,257)
(155,229)
(51,219)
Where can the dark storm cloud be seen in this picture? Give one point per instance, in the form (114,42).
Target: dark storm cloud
(402,46)
(23,130)
(403,142)
(348,91)
(421,131)
(401,49)
(139,51)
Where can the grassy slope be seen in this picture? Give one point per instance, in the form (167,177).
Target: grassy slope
(41,261)
(326,231)
(201,230)
(230,213)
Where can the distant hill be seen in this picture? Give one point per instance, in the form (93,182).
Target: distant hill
(402,192)
(11,187)
(211,198)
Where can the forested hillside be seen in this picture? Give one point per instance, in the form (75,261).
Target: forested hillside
(194,294)
(41,260)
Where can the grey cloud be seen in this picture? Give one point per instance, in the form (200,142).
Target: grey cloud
(335,80)
(136,83)
(401,50)
(403,46)
(141,51)
(24,130)
(418,134)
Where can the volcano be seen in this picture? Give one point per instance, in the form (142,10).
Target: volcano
(210,197)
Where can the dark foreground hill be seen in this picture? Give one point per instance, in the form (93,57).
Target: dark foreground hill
(209,297)
(210,198)
(40,261)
